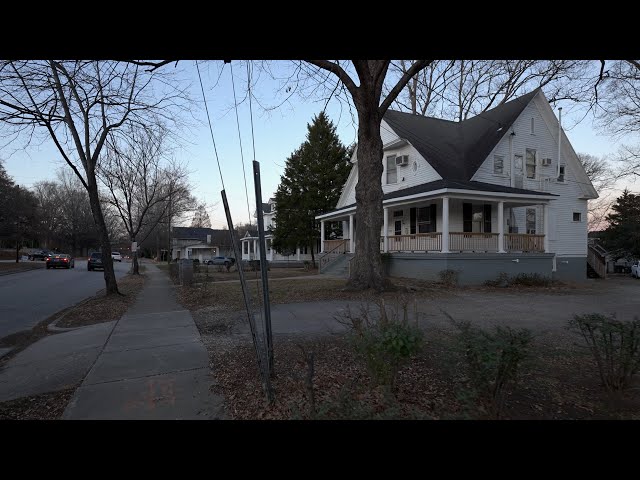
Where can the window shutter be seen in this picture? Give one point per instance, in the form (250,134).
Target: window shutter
(432,217)
(487,218)
(467,214)
(412,218)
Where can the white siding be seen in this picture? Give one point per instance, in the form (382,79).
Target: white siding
(407,176)
(570,237)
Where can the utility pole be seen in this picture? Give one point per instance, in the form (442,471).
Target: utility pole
(169,235)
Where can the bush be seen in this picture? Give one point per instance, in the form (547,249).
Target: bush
(531,280)
(501,281)
(449,278)
(615,346)
(493,360)
(384,344)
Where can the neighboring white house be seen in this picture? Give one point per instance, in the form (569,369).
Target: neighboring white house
(250,242)
(199,243)
(491,194)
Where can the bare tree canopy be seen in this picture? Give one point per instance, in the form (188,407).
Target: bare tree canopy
(141,179)
(79,105)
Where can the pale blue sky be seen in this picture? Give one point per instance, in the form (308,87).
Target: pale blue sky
(277,134)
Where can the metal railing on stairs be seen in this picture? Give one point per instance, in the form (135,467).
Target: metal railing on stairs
(330,256)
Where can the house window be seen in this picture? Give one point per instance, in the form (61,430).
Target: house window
(392,170)
(476,218)
(561,175)
(533,126)
(398,213)
(498,164)
(531,163)
(577,216)
(427,219)
(531,221)
(398,227)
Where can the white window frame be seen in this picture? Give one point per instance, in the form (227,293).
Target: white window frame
(391,159)
(526,163)
(563,174)
(533,126)
(526,221)
(499,158)
(573,217)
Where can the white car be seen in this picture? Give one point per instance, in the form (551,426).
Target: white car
(116,257)
(635,269)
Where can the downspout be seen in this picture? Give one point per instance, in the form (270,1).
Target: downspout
(559,140)
(513,175)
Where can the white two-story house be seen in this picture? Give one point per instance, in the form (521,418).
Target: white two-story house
(503,191)
(250,242)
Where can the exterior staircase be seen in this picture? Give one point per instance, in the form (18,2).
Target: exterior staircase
(337,266)
(596,262)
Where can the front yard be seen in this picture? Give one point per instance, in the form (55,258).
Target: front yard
(558,378)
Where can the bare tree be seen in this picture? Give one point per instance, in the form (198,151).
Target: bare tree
(454,90)
(603,178)
(140,179)
(78,105)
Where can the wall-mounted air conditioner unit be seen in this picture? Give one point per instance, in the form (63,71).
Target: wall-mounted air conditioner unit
(402,160)
(546,162)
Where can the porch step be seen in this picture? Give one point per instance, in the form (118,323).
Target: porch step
(339,267)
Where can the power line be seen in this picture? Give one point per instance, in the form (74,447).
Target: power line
(210,127)
(246,192)
(253,139)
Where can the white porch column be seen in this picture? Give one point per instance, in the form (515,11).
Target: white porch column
(385,229)
(298,252)
(255,250)
(501,227)
(545,228)
(445,225)
(351,232)
(321,237)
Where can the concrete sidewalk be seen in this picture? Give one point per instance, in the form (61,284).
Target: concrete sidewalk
(153,365)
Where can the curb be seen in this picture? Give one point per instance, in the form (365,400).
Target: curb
(52,326)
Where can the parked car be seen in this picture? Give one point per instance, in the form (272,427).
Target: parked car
(226,261)
(63,260)
(635,269)
(116,256)
(95,261)
(40,255)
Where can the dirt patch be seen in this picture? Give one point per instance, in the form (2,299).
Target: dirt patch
(104,308)
(47,406)
(218,273)
(559,382)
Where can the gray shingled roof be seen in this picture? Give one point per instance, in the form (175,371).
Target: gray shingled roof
(457,149)
(452,184)
(218,237)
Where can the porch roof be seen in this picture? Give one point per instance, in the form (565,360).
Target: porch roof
(450,186)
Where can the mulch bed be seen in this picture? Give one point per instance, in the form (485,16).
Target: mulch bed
(7,268)
(103,308)
(47,406)
(559,382)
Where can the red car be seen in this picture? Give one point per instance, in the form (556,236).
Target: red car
(60,260)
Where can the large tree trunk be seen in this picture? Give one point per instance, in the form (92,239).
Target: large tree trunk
(367,263)
(105,244)
(136,268)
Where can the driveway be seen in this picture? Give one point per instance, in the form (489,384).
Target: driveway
(27,298)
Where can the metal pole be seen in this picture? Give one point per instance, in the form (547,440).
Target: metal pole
(266,382)
(263,266)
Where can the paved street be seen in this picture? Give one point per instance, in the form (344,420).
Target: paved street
(27,298)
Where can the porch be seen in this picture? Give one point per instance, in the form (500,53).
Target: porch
(473,222)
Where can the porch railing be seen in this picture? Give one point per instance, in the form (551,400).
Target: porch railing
(337,248)
(418,242)
(521,242)
(473,242)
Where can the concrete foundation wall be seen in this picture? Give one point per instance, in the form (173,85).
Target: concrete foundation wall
(571,269)
(473,269)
